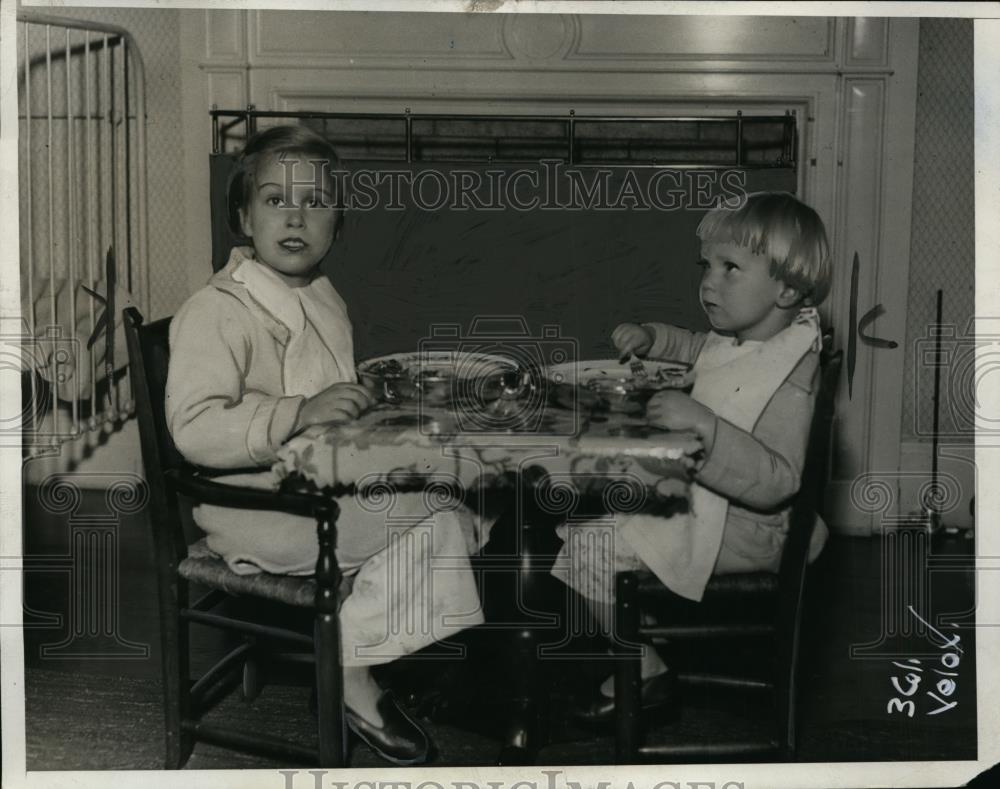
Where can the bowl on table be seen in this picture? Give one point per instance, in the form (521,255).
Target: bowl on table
(609,385)
(442,377)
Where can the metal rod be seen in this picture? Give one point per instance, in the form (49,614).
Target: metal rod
(91,250)
(409,137)
(54,358)
(788,132)
(77,116)
(122,249)
(130,253)
(79,24)
(142,186)
(71,246)
(571,135)
(39,59)
(112,147)
(32,322)
(107,182)
(739,138)
(126,172)
(317,115)
(222,130)
(939,319)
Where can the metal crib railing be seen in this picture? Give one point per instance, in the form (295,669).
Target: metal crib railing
(83,222)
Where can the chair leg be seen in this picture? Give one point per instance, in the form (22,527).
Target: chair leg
(628,668)
(253,679)
(175,644)
(329,692)
(786,679)
(785,699)
(326,637)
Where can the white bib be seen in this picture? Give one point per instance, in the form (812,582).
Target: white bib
(320,349)
(736,381)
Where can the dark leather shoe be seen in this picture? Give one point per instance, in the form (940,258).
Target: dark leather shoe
(399,739)
(656,692)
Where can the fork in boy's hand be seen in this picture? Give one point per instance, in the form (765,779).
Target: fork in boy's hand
(636,367)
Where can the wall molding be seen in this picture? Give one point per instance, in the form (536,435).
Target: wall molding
(662,32)
(521,42)
(867,42)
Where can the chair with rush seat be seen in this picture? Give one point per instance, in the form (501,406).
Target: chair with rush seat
(170,480)
(766,606)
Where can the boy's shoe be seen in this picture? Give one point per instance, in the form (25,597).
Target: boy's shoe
(656,692)
(399,739)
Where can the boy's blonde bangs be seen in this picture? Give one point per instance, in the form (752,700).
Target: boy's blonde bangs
(782,228)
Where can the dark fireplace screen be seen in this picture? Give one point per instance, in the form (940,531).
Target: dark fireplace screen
(471,234)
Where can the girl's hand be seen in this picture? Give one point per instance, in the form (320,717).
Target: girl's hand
(673,410)
(632,338)
(337,404)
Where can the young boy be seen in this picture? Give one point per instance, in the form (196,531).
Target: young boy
(765,267)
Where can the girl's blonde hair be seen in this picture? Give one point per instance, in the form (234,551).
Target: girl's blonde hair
(782,228)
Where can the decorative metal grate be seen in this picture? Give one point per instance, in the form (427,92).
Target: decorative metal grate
(745,141)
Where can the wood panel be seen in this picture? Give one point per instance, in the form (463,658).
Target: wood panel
(705,39)
(349,40)
(428,41)
(867,42)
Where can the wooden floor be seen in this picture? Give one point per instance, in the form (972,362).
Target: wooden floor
(93,702)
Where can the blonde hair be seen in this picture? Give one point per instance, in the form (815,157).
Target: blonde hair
(782,228)
(273,141)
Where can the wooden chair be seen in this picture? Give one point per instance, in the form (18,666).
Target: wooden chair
(739,606)
(171,479)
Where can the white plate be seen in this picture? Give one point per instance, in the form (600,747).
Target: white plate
(601,374)
(437,377)
(448,364)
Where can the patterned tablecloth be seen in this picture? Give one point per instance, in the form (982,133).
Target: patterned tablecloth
(466,447)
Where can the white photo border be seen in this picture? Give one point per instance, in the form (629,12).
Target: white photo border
(987,202)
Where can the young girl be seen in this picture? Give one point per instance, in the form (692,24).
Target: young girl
(265,350)
(766,266)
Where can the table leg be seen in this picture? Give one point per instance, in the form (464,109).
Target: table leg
(527,725)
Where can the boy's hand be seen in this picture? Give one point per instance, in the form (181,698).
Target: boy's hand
(632,338)
(335,405)
(673,410)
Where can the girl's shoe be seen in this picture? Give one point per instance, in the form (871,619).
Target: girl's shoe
(399,739)
(657,692)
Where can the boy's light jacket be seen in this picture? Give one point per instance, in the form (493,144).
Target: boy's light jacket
(763,394)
